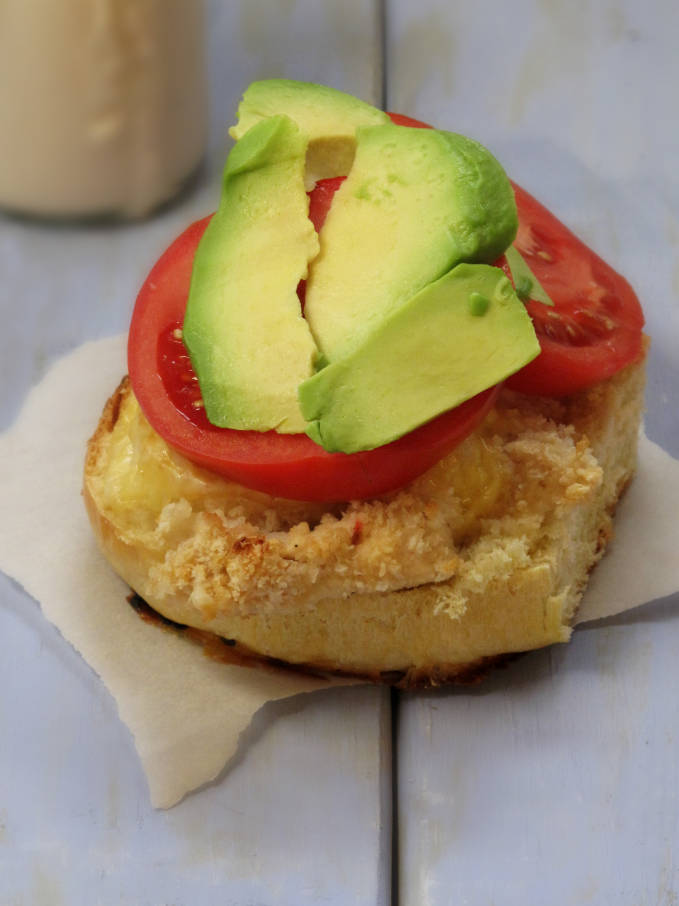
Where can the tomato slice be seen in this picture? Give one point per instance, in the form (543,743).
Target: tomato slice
(595,326)
(321,198)
(399,120)
(284,465)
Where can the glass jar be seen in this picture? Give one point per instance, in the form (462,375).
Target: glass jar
(102,104)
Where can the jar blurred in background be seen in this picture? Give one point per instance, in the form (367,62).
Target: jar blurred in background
(102,104)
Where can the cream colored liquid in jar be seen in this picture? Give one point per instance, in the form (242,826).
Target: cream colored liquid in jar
(102,104)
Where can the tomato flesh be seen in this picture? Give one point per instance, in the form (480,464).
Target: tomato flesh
(398,119)
(321,198)
(179,378)
(595,326)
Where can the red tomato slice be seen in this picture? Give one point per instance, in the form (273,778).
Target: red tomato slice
(399,120)
(284,465)
(321,198)
(595,326)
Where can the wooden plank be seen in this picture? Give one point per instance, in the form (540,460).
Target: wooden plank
(304,816)
(557,781)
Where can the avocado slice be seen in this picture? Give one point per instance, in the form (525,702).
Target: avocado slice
(244,330)
(329,117)
(415,203)
(452,340)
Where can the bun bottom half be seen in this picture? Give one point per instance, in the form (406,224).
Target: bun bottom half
(485,555)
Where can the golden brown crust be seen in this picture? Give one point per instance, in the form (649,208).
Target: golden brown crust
(486,554)
(230,651)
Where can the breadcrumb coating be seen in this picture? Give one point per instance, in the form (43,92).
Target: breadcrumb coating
(229,550)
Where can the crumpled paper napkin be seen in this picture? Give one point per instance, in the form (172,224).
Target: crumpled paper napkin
(186,711)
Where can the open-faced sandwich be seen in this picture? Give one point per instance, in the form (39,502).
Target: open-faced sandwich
(380,406)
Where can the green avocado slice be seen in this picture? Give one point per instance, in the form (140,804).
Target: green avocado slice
(328,116)
(415,203)
(452,340)
(244,330)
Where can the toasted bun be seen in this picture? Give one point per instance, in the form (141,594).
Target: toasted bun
(486,554)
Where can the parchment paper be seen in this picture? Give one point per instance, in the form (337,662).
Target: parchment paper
(186,711)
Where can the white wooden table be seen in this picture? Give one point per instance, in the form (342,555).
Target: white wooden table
(557,781)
